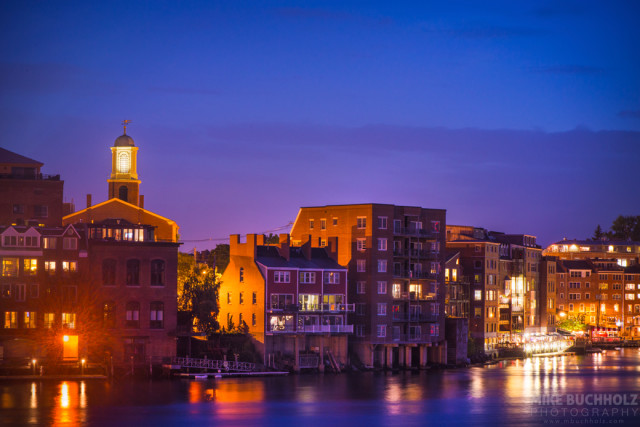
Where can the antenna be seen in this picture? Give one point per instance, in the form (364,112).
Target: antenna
(125,123)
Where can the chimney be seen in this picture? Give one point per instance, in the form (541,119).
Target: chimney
(332,248)
(234,242)
(284,246)
(306,246)
(88,200)
(142,201)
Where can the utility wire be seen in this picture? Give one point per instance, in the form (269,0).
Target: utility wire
(223,239)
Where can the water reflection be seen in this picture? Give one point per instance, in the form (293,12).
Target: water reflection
(505,391)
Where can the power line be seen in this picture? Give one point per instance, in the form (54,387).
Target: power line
(224,239)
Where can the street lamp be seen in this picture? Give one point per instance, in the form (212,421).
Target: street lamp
(33,365)
(82,367)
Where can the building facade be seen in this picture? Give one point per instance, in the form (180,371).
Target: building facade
(292,300)
(395,257)
(28,197)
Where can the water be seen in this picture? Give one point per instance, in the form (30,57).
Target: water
(509,393)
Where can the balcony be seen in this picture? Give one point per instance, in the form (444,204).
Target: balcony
(415,296)
(410,274)
(326,308)
(405,339)
(326,329)
(284,308)
(416,253)
(412,231)
(414,317)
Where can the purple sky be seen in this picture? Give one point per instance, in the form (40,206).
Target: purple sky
(514,117)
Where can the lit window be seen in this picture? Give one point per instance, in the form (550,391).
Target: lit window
(69,320)
(477,295)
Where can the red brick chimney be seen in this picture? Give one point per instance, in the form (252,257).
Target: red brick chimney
(284,246)
(332,248)
(142,201)
(306,246)
(88,200)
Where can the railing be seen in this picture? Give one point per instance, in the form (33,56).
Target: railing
(410,274)
(285,307)
(415,253)
(410,231)
(308,361)
(328,308)
(413,317)
(187,362)
(405,338)
(334,329)
(313,329)
(414,296)
(30,177)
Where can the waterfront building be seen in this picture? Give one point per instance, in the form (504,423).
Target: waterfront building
(40,285)
(293,301)
(625,253)
(27,196)
(503,271)
(395,259)
(132,264)
(547,304)
(457,287)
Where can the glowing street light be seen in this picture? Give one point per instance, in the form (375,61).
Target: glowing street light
(65,338)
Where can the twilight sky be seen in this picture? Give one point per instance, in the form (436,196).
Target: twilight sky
(522,117)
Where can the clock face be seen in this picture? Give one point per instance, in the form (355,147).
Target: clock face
(124,163)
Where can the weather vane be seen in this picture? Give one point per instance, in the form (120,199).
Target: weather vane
(125,123)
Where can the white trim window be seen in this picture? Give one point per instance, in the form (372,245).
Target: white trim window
(332,277)
(382,288)
(381,331)
(382,309)
(361,265)
(281,277)
(382,222)
(362,222)
(307,277)
(361,288)
(382,244)
(361,244)
(382,266)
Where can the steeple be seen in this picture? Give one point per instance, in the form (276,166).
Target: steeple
(123,182)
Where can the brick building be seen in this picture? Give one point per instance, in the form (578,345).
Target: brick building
(292,300)
(395,257)
(504,273)
(625,253)
(28,197)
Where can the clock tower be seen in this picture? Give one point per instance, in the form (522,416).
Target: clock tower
(123,182)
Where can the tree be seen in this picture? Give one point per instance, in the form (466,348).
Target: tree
(598,234)
(220,257)
(271,239)
(572,324)
(626,228)
(198,295)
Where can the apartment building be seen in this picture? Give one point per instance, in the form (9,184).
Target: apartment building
(547,304)
(503,271)
(27,196)
(625,253)
(293,301)
(395,258)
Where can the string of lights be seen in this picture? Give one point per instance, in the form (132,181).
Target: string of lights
(224,239)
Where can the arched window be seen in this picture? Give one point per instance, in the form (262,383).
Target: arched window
(108,272)
(123,193)
(157,272)
(156,315)
(124,164)
(109,314)
(133,315)
(133,272)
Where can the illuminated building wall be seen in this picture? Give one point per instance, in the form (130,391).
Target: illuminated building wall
(395,256)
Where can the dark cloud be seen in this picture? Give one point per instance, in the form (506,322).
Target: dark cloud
(629,114)
(568,70)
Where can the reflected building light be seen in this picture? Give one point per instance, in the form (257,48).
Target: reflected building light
(64,395)
(83,395)
(33,400)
